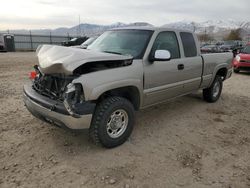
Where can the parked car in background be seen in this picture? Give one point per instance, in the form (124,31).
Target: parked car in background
(231,45)
(203,44)
(242,60)
(74,41)
(88,42)
(211,48)
(123,71)
(85,44)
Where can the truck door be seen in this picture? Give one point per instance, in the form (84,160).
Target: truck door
(192,63)
(163,79)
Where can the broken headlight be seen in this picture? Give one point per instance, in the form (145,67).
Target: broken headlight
(73,98)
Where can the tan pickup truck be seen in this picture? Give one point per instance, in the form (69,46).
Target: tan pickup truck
(124,70)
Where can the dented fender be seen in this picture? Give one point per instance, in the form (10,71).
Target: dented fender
(96,83)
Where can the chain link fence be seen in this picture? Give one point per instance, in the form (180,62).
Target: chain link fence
(29,42)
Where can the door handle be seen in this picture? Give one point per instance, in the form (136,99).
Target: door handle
(180,67)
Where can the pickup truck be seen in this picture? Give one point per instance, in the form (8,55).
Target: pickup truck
(123,71)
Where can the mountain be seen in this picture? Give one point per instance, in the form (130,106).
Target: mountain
(93,29)
(210,26)
(218,28)
(82,29)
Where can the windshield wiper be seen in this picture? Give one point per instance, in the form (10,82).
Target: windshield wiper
(113,52)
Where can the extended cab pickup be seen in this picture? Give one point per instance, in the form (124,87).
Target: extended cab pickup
(124,70)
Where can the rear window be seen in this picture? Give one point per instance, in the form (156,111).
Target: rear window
(189,45)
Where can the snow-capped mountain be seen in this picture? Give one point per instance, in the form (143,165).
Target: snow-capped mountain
(210,26)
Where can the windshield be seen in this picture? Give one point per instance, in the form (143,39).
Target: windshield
(124,42)
(246,50)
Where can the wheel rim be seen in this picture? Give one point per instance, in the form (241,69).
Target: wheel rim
(117,123)
(216,89)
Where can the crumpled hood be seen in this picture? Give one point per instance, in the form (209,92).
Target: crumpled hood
(59,59)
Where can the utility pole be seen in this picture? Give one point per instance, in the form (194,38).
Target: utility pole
(68,35)
(205,38)
(194,28)
(31,42)
(50,37)
(80,32)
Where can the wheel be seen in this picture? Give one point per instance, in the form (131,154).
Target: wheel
(212,94)
(236,70)
(112,122)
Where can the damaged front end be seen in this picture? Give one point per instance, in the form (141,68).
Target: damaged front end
(59,88)
(55,94)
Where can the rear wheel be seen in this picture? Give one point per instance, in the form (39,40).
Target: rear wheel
(112,122)
(213,93)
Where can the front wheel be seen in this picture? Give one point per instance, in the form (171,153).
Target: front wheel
(112,122)
(213,93)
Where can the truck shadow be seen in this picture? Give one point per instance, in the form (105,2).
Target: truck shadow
(78,141)
(244,73)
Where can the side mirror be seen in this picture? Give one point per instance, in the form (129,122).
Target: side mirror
(161,55)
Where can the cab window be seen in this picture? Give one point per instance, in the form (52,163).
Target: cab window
(167,40)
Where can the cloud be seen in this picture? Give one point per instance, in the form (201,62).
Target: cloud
(64,13)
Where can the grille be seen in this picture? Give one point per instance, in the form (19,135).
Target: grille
(51,86)
(245,61)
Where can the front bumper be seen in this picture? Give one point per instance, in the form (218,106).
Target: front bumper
(241,65)
(54,112)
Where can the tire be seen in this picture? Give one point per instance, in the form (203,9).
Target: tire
(213,93)
(236,70)
(104,129)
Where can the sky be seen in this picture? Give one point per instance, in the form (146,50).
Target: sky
(51,14)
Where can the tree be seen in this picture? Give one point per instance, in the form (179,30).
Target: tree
(205,37)
(234,35)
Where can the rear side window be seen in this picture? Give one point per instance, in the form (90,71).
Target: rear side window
(189,45)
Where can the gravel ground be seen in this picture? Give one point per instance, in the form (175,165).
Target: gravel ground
(183,143)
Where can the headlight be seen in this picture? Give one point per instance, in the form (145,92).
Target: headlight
(73,97)
(74,93)
(237,58)
(70,88)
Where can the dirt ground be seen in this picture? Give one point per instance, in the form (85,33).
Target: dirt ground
(183,143)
